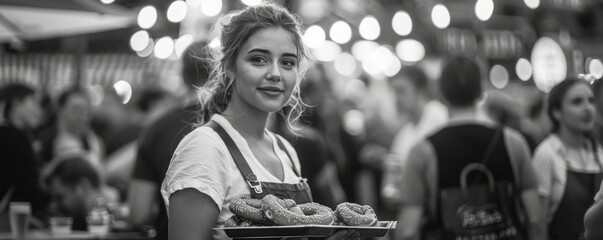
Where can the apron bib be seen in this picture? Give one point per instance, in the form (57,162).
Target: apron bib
(578,196)
(299,192)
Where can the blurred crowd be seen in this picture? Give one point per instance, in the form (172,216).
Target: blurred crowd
(66,155)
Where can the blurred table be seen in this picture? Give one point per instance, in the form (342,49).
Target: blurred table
(47,235)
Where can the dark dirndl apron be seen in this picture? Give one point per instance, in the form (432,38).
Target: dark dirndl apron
(299,192)
(578,196)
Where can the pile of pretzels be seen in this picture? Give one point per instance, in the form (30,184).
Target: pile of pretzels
(271,211)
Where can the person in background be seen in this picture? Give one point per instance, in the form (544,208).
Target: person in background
(75,187)
(158,142)
(594,217)
(568,162)
(73,132)
(257,71)
(424,115)
(436,162)
(597,87)
(143,111)
(20,113)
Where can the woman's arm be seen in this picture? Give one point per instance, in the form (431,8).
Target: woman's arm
(544,217)
(141,197)
(535,214)
(592,221)
(192,215)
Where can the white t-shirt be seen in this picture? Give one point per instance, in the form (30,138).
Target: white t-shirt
(551,159)
(202,161)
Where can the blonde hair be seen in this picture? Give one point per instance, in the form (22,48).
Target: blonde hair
(233,30)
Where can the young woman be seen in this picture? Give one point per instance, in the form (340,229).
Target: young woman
(568,162)
(256,71)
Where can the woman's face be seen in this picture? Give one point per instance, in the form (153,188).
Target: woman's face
(265,71)
(28,112)
(577,111)
(76,112)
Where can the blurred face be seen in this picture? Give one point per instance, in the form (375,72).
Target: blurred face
(265,71)
(577,111)
(28,112)
(76,112)
(70,200)
(406,95)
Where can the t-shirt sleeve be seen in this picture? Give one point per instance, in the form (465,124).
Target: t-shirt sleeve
(543,166)
(520,155)
(199,162)
(414,186)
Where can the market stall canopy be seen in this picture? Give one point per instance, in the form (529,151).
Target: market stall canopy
(28,20)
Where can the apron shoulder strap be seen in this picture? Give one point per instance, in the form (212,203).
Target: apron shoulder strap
(236,155)
(282,146)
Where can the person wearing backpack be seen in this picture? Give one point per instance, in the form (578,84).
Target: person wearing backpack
(437,166)
(568,162)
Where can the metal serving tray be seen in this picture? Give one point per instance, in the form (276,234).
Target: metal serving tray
(379,230)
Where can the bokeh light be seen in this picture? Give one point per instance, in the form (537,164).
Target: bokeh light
(595,68)
(164,47)
(369,28)
(440,16)
(378,61)
(533,4)
(345,64)
(523,69)
(177,11)
(410,50)
(549,64)
(147,17)
(211,8)
(139,40)
(314,36)
(251,2)
(214,43)
(362,48)
(402,23)
(499,76)
(123,90)
(194,4)
(182,43)
(327,52)
(353,122)
(148,50)
(340,32)
(393,68)
(484,9)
